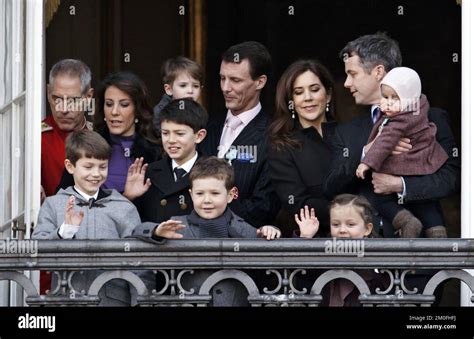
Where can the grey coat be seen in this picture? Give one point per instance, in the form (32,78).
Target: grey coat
(115,220)
(225,293)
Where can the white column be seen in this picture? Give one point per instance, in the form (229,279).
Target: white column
(467,126)
(35,89)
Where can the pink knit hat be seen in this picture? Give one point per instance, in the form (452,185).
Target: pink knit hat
(406,82)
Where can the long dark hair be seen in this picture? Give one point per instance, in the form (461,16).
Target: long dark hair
(131,84)
(280,130)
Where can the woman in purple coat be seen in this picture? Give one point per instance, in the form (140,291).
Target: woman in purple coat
(124,117)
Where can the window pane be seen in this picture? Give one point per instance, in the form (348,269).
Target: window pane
(21,57)
(5,169)
(19,159)
(23,44)
(5,51)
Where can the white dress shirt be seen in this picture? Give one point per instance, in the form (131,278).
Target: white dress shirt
(187,166)
(246,117)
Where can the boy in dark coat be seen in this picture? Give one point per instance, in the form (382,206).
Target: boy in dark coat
(165,192)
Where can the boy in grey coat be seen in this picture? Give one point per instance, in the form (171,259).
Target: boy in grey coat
(212,189)
(86,211)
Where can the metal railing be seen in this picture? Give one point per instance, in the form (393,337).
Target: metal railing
(286,272)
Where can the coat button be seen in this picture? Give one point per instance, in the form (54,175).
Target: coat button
(184,206)
(163,202)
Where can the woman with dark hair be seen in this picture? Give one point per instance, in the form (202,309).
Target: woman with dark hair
(300,155)
(124,117)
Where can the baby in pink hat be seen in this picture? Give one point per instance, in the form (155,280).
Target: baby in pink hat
(405,115)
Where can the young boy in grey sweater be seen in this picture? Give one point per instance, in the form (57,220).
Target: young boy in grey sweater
(212,189)
(86,211)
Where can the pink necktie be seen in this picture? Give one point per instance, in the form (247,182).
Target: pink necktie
(228,134)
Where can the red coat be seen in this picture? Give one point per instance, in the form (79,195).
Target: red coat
(426,156)
(53,154)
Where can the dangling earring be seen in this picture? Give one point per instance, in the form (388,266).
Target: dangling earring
(292,114)
(327,107)
(136,121)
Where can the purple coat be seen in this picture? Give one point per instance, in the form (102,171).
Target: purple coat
(426,156)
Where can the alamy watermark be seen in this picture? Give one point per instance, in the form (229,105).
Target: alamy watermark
(344,246)
(242,153)
(411,105)
(82,104)
(47,322)
(13,246)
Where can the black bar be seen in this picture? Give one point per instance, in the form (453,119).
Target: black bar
(242,322)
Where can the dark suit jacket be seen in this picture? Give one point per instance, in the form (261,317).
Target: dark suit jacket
(165,197)
(351,137)
(298,174)
(257,203)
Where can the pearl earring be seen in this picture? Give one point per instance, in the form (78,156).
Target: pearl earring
(327,107)
(136,121)
(105,119)
(292,114)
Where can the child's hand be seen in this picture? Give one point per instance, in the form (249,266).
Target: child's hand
(307,222)
(361,170)
(72,217)
(136,185)
(167,229)
(269,232)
